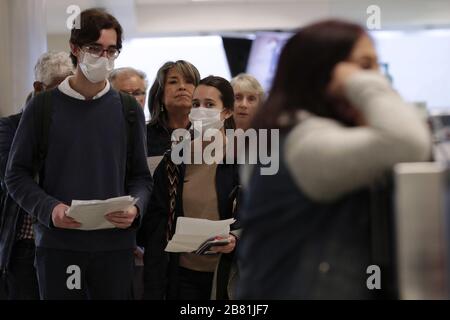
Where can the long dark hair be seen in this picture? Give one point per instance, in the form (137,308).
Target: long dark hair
(226,95)
(304,71)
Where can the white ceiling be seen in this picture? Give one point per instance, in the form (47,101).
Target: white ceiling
(163,17)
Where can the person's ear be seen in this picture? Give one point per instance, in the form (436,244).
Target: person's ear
(227,113)
(38,87)
(74,49)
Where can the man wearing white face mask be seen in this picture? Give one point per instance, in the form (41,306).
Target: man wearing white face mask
(94,65)
(86,159)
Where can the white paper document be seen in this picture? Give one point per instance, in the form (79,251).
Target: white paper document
(91,213)
(153,163)
(191,233)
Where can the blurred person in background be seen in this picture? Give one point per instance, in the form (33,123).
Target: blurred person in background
(306,230)
(131,81)
(17,247)
(248,97)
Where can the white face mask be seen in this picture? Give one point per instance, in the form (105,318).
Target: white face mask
(209,118)
(96,69)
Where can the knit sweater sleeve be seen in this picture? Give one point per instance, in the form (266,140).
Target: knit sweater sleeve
(21,170)
(328,160)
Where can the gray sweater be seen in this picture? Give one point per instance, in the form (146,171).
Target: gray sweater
(328,160)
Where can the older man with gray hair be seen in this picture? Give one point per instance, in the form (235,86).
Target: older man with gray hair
(17,249)
(131,81)
(51,69)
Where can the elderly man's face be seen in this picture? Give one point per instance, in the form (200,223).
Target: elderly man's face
(133,85)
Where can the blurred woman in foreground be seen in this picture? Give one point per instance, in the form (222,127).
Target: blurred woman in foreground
(306,229)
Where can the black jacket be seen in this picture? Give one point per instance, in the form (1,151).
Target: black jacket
(161,268)
(10,212)
(158,139)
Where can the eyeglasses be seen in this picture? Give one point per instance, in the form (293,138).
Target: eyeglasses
(138,93)
(97,51)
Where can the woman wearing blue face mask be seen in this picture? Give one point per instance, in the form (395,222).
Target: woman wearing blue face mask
(206,191)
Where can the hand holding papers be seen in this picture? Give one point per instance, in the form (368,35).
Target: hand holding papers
(198,235)
(205,247)
(91,214)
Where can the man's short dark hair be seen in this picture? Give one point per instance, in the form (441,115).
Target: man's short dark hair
(88,25)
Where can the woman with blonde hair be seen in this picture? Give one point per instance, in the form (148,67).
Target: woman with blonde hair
(248,97)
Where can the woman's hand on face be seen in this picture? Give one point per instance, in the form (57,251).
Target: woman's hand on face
(341,73)
(227,248)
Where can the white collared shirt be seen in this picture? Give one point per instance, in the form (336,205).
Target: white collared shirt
(65,88)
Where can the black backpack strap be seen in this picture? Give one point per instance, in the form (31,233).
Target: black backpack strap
(46,122)
(43,117)
(129,111)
